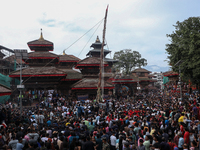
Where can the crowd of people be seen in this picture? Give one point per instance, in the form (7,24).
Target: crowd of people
(148,121)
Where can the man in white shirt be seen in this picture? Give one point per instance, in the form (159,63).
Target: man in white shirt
(36,117)
(44,138)
(64,114)
(33,137)
(51,115)
(32,119)
(41,118)
(113,141)
(64,108)
(35,124)
(97,118)
(13,143)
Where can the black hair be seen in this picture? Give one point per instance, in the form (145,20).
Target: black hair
(88,138)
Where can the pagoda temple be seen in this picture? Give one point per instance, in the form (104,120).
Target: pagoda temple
(173,76)
(89,68)
(173,81)
(46,70)
(127,84)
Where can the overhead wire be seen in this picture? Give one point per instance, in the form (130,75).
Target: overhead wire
(97,24)
(91,36)
(88,41)
(107,46)
(66,49)
(83,35)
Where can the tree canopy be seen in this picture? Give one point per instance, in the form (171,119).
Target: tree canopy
(128,60)
(185,46)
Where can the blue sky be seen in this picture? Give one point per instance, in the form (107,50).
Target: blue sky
(139,25)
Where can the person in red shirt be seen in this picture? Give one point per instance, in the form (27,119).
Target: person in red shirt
(171,144)
(195,102)
(186,136)
(108,118)
(176,138)
(122,121)
(182,128)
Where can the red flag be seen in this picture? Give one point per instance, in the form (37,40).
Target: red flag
(4,124)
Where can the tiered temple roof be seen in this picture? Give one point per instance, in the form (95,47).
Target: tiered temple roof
(141,70)
(4,90)
(12,58)
(68,58)
(170,73)
(135,77)
(39,72)
(47,69)
(124,79)
(72,75)
(90,69)
(42,55)
(90,83)
(96,51)
(40,45)
(90,61)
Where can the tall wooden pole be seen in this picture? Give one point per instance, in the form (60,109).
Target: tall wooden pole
(101,60)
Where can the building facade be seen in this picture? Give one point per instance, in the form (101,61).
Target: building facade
(89,68)
(138,81)
(45,70)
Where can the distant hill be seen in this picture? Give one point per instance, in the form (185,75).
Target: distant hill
(155,68)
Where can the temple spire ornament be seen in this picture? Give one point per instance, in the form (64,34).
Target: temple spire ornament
(97,40)
(40,44)
(41,36)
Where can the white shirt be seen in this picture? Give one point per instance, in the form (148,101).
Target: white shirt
(32,119)
(50,132)
(36,118)
(113,140)
(44,139)
(13,144)
(64,108)
(51,115)
(64,114)
(41,118)
(35,125)
(131,122)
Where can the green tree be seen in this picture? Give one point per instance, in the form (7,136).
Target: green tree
(128,60)
(185,46)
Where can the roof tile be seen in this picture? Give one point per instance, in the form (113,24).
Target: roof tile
(4,89)
(141,70)
(89,82)
(39,70)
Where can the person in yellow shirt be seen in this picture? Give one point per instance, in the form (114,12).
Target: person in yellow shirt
(181,118)
(152,130)
(67,124)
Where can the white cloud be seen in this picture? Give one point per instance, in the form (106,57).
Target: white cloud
(138,25)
